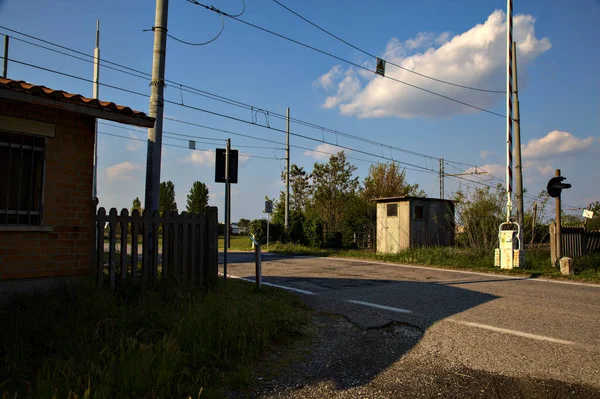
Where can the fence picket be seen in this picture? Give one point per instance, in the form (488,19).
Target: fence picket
(100,222)
(112,225)
(135,225)
(189,245)
(124,224)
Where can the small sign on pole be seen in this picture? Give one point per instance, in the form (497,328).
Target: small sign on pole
(268,206)
(192,144)
(380,67)
(588,214)
(220,166)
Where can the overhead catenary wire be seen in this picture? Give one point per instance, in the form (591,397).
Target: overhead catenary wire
(387,61)
(192,90)
(184,147)
(213,9)
(416,167)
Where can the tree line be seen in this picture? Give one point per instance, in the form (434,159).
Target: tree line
(330,203)
(197,198)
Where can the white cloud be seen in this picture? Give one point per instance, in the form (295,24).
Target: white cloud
(134,145)
(484,154)
(122,171)
(555,143)
(200,158)
(328,79)
(324,151)
(473,58)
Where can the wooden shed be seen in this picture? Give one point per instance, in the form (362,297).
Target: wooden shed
(409,222)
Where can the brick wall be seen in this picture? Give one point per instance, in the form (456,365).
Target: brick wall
(68,206)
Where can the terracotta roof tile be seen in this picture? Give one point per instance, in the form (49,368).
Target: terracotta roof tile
(42,91)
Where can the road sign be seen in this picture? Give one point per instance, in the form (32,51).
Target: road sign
(220,166)
(192,144)
(380,70)
(268,206)
(588,214)
(556,185)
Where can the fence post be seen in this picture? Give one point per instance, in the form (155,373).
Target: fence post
(193,271)
(212,247)
(135,225)
(155,220)
(124,223)
(553,243)
(146,224)
(100,220)
(112,224)
(94,238)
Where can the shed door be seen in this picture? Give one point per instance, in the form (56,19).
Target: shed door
(392,228)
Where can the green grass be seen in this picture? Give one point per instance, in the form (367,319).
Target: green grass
(537,264)
(164,341)
(238,243)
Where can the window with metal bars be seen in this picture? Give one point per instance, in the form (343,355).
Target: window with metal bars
(22,159)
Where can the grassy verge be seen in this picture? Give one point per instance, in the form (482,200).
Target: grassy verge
(238,243)
(165,341)
(587,268)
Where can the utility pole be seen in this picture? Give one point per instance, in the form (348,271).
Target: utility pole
(95,93)
(517,128)
(287,173)
(442,178)
(558,223)
(227,216)
(509,109)
(157,87)
(5,58)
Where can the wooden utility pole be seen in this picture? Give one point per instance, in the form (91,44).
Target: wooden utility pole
(95,92)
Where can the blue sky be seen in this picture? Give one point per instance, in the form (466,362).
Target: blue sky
(460,40)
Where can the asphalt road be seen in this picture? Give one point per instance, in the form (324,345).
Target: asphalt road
(415,326)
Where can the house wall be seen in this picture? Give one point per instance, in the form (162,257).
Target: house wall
(68,205)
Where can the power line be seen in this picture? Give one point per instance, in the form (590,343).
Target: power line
(216,97)
(420,168)
(388,62)
(211,8)
(181,146)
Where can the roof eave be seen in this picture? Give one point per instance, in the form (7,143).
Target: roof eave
(145,121)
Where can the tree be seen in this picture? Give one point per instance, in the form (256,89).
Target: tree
(299,185)
(137,204)
(594,222)
(388,180)
(244,225)
(197,199)
(333,184)
(166,201)
(480,213)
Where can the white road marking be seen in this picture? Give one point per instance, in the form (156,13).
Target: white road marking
(283,287)
(374,305)
(514,278)
(511,332)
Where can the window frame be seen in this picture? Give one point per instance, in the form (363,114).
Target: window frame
(5,212)
(392,206)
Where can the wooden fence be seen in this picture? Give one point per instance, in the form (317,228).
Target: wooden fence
(181,246)
(576,241)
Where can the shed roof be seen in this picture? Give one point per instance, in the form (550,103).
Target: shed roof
(58,99)
(404,198)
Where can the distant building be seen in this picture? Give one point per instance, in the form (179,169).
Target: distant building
(409,222)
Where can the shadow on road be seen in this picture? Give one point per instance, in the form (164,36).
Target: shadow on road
(356,342)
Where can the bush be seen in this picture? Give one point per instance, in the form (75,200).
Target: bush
(313,232)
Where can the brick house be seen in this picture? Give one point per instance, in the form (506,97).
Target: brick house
(46,177)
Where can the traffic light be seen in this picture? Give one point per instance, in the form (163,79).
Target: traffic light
(556,185)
